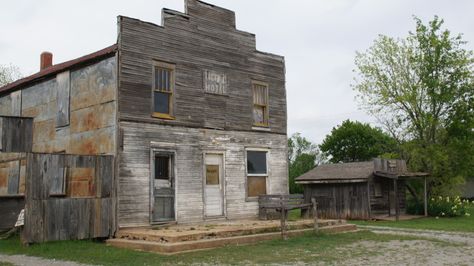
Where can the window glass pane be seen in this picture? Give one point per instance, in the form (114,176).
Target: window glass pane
(162,167)
(256,162)
(259,114)
(256,185)
(212,174)
(161,102)
(163,79)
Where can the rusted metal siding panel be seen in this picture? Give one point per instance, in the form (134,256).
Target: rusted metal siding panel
(16,103)
(93,85)
(62,112)
(75,112)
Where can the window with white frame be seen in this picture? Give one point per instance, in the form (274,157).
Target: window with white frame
(257,173)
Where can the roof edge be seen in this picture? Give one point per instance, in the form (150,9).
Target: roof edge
(54,69)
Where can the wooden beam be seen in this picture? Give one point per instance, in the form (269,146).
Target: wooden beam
(425,198)
(368,201)
(315,214)
(397,204)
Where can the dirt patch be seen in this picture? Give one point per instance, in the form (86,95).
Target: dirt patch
(408,252)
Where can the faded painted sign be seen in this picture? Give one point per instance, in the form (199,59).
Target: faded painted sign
(212,174)
(215,82)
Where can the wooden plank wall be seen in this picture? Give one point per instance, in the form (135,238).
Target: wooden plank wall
(16,134)
(190,144)
(339,201)
(49,218)
(202,40)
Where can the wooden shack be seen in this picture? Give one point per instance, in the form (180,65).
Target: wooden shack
(359,190)
(192,113)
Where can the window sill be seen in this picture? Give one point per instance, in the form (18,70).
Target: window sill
(163,116)
(251,199)
(261,128)
(12,196)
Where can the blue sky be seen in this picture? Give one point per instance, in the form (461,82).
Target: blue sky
(318,38)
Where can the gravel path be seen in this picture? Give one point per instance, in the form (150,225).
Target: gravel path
(453,237)
(23,260)
(457,248)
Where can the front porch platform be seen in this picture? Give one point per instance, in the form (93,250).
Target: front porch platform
(180,238)
(402,217)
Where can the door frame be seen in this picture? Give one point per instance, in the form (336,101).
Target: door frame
(172,153)
(223,181)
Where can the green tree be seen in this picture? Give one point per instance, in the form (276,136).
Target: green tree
(8,74)
(303,156)
(356,142)
(421,89)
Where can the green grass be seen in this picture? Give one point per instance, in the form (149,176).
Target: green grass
(307,248)
(3,263)
(456,224)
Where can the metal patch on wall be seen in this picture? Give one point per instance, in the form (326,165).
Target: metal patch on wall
(215,82)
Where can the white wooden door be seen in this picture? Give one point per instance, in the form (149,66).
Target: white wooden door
(213,185)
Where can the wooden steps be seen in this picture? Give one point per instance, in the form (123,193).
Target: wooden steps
(215,238)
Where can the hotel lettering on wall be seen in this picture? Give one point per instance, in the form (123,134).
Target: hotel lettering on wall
(215,82)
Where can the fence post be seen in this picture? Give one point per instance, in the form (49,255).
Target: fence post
(283,218)
(315,214)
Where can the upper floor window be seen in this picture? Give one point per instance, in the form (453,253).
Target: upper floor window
(163,90)
(260,103)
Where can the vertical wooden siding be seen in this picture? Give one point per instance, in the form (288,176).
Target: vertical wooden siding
(16,134)
(339,201)
(49,218)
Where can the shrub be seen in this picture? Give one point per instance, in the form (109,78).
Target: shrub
(448,207)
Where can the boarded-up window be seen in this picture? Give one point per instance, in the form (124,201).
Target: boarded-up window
(257,173)
(81,182)
(163,87)
(260,104)
(162,167)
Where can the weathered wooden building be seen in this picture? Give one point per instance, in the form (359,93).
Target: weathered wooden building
(359,190)
(193,114)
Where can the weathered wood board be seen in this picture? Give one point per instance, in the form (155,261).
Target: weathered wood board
(50,216)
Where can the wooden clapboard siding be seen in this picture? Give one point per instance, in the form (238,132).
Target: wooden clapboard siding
(204,39)
(189,144)
(49,218)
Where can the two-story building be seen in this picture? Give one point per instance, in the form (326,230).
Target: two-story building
(194,115)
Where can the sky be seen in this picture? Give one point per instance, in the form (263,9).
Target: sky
(318,38)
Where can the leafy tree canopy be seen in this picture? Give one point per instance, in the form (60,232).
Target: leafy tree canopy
(355,142)
(421,89)
(8,74)
(303,155)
